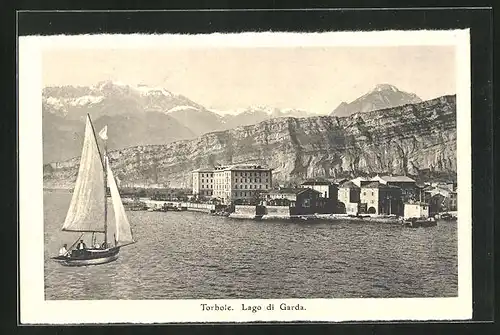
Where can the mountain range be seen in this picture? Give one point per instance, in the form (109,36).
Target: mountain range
(410,139)
(135,115)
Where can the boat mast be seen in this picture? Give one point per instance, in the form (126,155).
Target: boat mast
(105,168)
(105,193)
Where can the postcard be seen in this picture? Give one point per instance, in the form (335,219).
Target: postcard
(245,177)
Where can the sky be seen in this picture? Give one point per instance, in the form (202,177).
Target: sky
(314,79)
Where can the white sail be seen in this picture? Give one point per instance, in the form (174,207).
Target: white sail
(86,211)
(123,232)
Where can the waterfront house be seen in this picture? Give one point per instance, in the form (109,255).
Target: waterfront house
(378,198)
(348,196)
(440,199)
(300,200)
(327,189)
(406,184)
(358,180)
(241,182)
(235,183)
(416,210)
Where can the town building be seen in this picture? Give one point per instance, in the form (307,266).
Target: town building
(406,184)
(358,180)
(203,182)
(301,201)
(440,199)
(450,186)
(452,204)
(327,189)
(241,182)
(348,198)
(378,198)
(340,181)
(416,210)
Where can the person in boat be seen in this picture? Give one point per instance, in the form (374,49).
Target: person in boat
(81,245)
(103,245)
(63,251)
(97,245)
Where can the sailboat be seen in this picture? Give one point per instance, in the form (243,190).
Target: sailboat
(88,210)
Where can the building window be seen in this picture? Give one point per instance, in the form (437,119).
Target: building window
(364,193)
(372,192)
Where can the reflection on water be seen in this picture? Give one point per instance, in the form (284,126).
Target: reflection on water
(187,255)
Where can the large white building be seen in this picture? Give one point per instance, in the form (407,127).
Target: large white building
(235,182)
(203,182)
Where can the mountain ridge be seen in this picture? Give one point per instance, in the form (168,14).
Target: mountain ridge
(406,139)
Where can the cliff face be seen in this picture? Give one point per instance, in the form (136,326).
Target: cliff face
(400,140)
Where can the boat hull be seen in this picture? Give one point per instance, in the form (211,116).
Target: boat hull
(89,257)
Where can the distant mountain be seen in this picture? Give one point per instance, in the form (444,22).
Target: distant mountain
(134,115)
(110,98)
(256,114)
(382,96)
(198,119)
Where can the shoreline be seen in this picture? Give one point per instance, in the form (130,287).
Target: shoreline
(155,205)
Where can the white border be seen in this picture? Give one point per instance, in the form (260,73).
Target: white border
(35,310)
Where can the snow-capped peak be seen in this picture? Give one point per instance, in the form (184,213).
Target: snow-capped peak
(109,83)
(180,108)
(141,89)
(261,108)
(385,87)
(147,90)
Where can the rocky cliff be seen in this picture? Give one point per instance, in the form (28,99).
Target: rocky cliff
(401,140)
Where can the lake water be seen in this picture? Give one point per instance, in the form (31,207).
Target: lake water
(189,255)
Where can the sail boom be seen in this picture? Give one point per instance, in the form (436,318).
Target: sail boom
(126,244)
